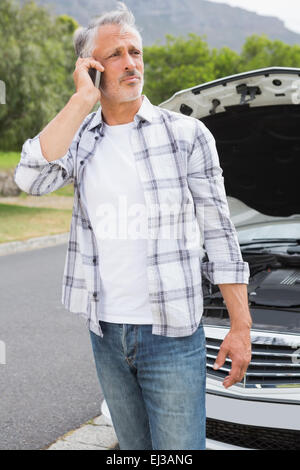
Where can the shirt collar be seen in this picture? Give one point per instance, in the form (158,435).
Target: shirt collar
(144,113)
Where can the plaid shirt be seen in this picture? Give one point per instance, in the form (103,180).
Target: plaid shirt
(178,164)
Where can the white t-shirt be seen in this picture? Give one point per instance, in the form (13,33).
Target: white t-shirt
(111,189)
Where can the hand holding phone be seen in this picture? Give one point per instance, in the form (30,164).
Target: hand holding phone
(81,80)
(95,76)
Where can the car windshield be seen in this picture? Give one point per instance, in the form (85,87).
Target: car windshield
(272,230)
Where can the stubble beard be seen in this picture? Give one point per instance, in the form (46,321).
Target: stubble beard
(123,96)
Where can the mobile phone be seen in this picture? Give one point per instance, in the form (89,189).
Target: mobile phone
(95,76)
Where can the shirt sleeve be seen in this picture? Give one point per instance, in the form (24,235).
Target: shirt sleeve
(205,178)
(36,176)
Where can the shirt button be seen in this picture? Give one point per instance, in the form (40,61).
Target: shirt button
(81,162)
(95,294)
(94,260)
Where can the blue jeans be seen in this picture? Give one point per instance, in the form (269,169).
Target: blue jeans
(154,386)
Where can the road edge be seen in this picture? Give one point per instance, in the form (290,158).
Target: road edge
(33,243)
(96,434)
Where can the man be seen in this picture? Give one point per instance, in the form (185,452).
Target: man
(141,295)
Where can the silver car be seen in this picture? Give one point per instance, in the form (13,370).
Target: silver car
(255,119)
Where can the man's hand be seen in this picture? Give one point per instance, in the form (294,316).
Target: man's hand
(57,136)
(236,346)
(83,81)
(237,343)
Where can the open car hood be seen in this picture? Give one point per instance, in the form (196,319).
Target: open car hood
(255,119)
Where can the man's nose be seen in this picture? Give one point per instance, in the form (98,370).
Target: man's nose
(129,61)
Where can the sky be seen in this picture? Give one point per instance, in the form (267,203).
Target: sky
(286,10)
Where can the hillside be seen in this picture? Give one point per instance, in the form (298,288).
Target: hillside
(220,23)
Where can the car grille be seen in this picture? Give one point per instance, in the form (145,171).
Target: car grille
(252,437)
(271,365)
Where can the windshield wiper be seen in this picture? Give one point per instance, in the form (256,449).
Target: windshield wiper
(254,241)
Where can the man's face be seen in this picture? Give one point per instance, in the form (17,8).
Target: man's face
(121,55)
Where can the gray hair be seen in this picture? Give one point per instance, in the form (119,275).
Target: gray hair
(84,38)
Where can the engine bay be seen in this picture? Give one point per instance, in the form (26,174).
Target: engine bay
(273,292)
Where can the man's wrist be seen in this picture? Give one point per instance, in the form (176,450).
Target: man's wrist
(240,320)
(241,325)
(84,101)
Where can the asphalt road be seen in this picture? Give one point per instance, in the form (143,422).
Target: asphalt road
(48,385)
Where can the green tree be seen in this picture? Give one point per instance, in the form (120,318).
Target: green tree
(180,63)
(260,51)
(225,61)
(184,63)
(37,60)
(37,64)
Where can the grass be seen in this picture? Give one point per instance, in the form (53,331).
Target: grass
(20,222)
(9,160)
